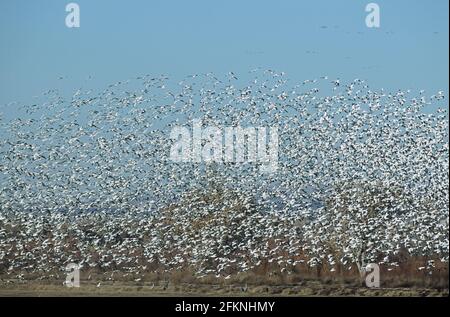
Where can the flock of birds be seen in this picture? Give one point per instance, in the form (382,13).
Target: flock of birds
(362,177)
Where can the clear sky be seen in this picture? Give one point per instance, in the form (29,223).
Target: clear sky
(118,40)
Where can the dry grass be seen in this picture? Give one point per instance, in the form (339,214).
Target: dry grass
(264,277)
(310,288)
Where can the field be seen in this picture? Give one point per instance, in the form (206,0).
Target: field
(124,289)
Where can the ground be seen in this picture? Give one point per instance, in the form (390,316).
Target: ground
(128,289)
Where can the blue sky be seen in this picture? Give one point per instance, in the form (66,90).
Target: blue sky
(118,40)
